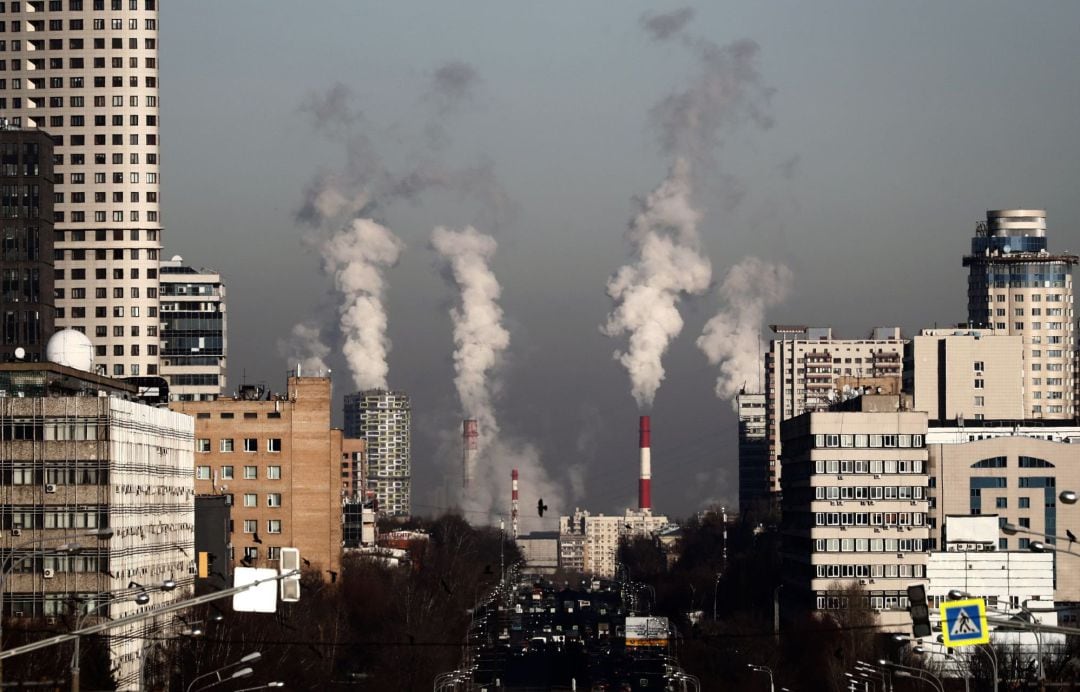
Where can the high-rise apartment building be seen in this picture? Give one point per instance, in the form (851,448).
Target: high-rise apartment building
(589,543)
(1016,286)
(855,506)
(193,343)
(86,72)
(754,489)
(26,257)
(382,419)
(806,369)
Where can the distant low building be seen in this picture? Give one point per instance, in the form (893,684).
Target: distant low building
(540,550)
(590,543)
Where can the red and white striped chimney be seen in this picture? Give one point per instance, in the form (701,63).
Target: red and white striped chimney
(514,503)
(645,472)
(469,437)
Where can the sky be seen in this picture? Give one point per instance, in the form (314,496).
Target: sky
(850,149)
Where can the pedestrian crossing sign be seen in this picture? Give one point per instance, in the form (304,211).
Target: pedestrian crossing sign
(963,623)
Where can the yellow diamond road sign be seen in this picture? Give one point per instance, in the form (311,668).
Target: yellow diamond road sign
(963,623)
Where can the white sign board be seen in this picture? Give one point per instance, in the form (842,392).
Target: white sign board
(257,599)
(646,631)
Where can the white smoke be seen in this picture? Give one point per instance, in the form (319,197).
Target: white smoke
(305,348)
(731,339)
(479,337)
(667,265)
(355,257)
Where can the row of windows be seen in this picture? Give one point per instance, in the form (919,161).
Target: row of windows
(873,602)
(859,441)
(872,545)
(77,24)
(874,466)
(272,525)
(36,518)
(869,519)
(251,473)
(76,63)
(38,84)
(870,571)
(252,553)
(101,311)
(100,160)
(79,293)
(869,492)
(251,444)
(77,5)
(75,43)
(100,273)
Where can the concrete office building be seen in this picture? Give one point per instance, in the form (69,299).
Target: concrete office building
(77,454)
(807,369)
(1014,472)
(383,420)
(86,72)
(966,374)
(855,505)
(590,543)
(754,489)
(1016,286)
(193,343)
(278,460)
(26,257)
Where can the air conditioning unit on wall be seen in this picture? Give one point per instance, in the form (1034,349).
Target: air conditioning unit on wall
(48,573)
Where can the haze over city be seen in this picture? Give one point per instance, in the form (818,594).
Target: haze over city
(853,151)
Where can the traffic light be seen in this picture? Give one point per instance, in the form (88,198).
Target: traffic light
(920,612)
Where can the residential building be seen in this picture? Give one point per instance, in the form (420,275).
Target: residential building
(193,344)
(807,369)
(854,505)
(382,419)
(26,259)
(1016,286)
(77,454)
(966,374)
(86,72)
(540,550)
(754,487)
(278,460)
(593,540)
(1013,471)
(353,469)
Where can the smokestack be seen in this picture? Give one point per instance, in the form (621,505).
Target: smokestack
(514,503)
(469,437)
(645,472)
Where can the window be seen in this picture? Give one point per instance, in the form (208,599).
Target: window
(227,473)
(273,500)
(273,526)
(251,526)
(1025,503)
(980,384)
(273,473)
(226,444)
(251,444)
(980,365)
(1001,503)
(202,473)
(251,552)
(251,500)
(273,444)
(251,472)
(202,445)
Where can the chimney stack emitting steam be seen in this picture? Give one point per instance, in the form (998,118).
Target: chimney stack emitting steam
(645,471)
(469,437)
(514,503)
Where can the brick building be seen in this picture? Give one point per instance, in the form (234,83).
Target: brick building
(279,461)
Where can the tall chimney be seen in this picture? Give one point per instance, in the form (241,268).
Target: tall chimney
(645,472)
(514,503)
(469,437)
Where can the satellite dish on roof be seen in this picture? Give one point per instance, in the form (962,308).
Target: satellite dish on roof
(72,349)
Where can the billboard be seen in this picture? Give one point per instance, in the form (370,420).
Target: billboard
(646,631)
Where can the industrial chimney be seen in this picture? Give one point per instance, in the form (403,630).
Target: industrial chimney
(469,437)
(645,471)
(514,503)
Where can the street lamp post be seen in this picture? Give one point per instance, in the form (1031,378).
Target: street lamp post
(933,680)
(763,669)
(253,657)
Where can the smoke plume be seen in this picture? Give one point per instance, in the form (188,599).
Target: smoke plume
(355,257)
(479,337)
(305,347)
(667,265)
(731,339)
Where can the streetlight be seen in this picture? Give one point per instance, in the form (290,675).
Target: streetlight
(763,669)
(899,670)
(142,598)
(238,675)
(262,687)
(253,657)
(956,594)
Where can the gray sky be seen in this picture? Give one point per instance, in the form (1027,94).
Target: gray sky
(894,127)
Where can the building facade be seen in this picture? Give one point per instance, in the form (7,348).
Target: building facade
(754,485)
(278,460)
(1015,473)
(77,456)
(193,337)
(806,369)
(86,72)
(1016,286)
(855,505)
(26,260)
(592,541)
(383,419)
(966,374)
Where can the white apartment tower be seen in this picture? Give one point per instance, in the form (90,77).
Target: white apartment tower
(86,71)
(1015,286)
(383,419)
